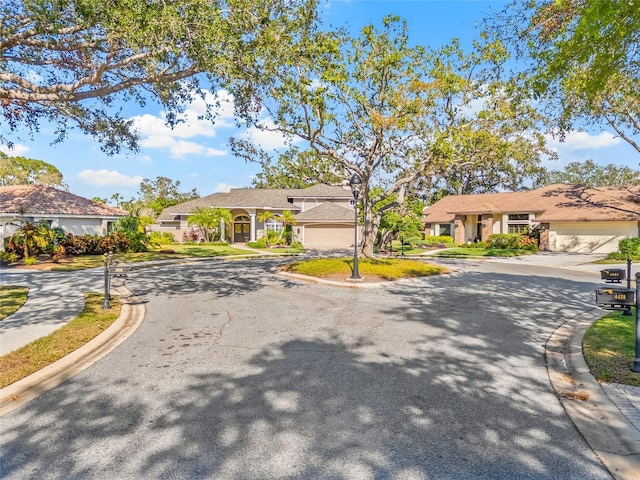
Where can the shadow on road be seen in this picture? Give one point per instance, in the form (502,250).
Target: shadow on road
(441,378)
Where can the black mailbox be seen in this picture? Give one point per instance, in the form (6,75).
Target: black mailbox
(119,270)
(612,298)
(613,275)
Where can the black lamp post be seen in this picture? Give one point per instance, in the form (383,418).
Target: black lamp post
(355,182)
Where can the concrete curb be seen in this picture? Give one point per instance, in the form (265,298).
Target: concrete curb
(131,316)
(348,283)
(609,433)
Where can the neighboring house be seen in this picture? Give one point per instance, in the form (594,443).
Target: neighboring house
(324,214)
(571,218)
(42,203)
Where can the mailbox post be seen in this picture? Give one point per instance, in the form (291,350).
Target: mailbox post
(108,258)
(636,363)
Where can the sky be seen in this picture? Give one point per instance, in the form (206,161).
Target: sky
(197,153)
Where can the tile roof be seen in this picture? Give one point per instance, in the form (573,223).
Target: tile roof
(322,190)
(557,202)
(326,212)
(261,198)
(46,200)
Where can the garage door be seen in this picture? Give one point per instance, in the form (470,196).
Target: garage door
(328,236)
(592,237)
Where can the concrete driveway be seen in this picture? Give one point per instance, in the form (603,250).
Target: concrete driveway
(238,373)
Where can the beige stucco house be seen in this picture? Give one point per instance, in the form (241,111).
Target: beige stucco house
(324,214)
(58,208)
(571,218)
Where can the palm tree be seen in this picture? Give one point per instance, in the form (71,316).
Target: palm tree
(265,217)
(286,218)
(32,236)
(209,221)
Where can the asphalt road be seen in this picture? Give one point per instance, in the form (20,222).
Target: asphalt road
(238,373)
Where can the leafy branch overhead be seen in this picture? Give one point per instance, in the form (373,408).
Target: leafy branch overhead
(68,61)
(394,113)
(583,57)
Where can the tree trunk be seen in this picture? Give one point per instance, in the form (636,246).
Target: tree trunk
(368,229)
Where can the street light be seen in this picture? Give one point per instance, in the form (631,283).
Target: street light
(355,182)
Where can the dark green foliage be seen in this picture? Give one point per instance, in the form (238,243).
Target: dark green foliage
(134,232)
(437,239)
(507,241)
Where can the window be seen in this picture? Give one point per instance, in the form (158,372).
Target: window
(274,225)
(518,227)
(518,222)
(445,229)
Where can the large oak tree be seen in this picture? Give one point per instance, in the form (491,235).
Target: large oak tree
(393,113)
(72,62)
(583,60)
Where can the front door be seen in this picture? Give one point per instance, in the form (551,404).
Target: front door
(241,232)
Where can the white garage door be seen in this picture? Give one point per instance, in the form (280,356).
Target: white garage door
(592,237)
(328,236)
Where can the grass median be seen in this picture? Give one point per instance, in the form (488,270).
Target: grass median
(609,349)
(383,269)
(11,299)
(92,321)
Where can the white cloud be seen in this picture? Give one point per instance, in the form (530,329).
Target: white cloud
(155,133)
(180,148)
(190,125)
(106,178)
(223,188)
(267,139)
(584,141)
(17,150)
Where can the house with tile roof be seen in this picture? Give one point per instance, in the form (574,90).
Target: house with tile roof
(324,214)
(571,218)
(42,203)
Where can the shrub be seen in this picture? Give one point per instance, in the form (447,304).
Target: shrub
(528,243)
(413,241)
(260,243)
(30,261)
(438,239)
(506,241)
(95,245)
(161,238)
(57,253)
(190,236)
(629,247)
(8,257)
(297,244)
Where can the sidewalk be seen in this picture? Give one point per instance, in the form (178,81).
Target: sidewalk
(54,299)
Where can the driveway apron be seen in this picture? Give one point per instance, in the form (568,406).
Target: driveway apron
(54,299)
(238,373)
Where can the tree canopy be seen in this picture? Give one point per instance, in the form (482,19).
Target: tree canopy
(210,222)
(591,174)
(67,61)
(585,59)
(161,193)
(26,171)
(395,114)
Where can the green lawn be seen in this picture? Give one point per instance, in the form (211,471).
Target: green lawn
(482,252)
(609,348)
(92,321)
(388,269)
(11,299)
(164,252)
